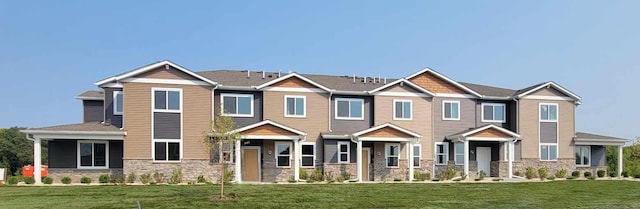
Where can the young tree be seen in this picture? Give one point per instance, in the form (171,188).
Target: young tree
(216,139)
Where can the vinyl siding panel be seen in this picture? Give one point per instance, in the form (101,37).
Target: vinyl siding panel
(197,117)
(443,128)
(166,125)
(63,154)
(352,126)
(257,107)
(109,117)
(162,73)
(507,105)
(529,122)
(293,82)
(115,154)
(316,120)
(92,110)
(598,156)
(548,92)
(548,132)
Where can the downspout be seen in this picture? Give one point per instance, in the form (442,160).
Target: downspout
(330,95)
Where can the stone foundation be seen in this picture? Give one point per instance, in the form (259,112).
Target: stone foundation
(191,169)
(563,163)
(271,173)
(426,166)
(75,174)
(382,173)
(339,169)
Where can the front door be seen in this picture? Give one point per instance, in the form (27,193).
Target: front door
(365,163)
(251,164)
(483,157)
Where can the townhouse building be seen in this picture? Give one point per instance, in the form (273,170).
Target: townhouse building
(154,119)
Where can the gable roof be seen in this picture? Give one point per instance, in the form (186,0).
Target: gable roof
(385,125)
(290,76)
(445,78)
(91,95)
(535,88)
(268,122)
(490,90)
(472,131)
(150,67)
(582,138)
(413,85)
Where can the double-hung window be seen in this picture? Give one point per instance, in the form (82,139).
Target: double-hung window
(237,105)
(392,154)
(548,112)
(450,110)
(402,109)
(167,106)
(166,100)
(417,149)
(442,153)
(458,149)
(492,112)
(117,102)
(583,156)
(283,154)
(548,151)
(349,109)
(294,106)
(308,154)
(227,152)
(93,154)
(343,151)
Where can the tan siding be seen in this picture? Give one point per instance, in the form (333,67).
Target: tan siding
(566,128)
(161,73)
(491,133)
(317,112)
(529,127)
(548,92)
(399,88)
(387,132)
(268,130)
(435,84)
(197,117)
(293,82)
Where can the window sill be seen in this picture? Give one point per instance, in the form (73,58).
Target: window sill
(440,164)
(167,162)
(405,119)
(93,168)
(493,121)
(549,160)
(283,167)
(393,166)
(583,166)
(454,119)
(340,118)
(238,116)
(295,116)
(308,166)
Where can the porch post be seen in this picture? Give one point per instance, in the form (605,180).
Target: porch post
(466,157)
(296,161)
(359,160)
(37,160)
(510,158)
(620,163)
(410,149)
(238,157)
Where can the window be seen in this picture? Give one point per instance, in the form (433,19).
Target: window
(349,109)
(458,150)
(117,102)
(166,150)
(343,152)
(237,105)
(442,153)
(392,152)
(548,151)
(308,155)
(402,109)
(227,152)
(493,112)
(583,156)
(167,100)
(416,155)
(283,154)
(450,110)
(294,106)
(549,112)
(93,154)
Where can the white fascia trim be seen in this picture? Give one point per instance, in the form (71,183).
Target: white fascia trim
(264,122)
(151,67)
(240,88)
(444,78)
(387,125)
(553,84)
(291,89)
(166,81)
(112,85)
(90,98)
(386,139)
(270,137)
(503,130)
(605,142)
(328,136)
(401,94)
(292,75)
(341,92)
(542,97)
(425,92)
(496,139)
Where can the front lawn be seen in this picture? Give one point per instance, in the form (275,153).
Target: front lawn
(557,194)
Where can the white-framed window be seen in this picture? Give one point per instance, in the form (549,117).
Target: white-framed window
(93,154)
(166,149)
(227,152)
(295,106)
(548,151)
(417,153)
(493,112)
(237,105)
(583,156)
(167,100)
(283,154)
(392,154)
(402,109)
(442,153)
(349,109)
(118,102)
(308,154)
(343,152)
(450,110)
(458,151)
(548,112)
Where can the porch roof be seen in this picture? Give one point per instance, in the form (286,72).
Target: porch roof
(268,129)
(89,130)
(470,134)
(582,138)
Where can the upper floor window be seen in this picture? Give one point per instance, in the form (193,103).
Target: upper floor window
(343,152)
(442,153)
(450,110)
(117,102)
(402,109)
(392,154)
(583,156)
(492,112)
(549,112)
(349,109)
(238,105)
(294,106)
(166,100)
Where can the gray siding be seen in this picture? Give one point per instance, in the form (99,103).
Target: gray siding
(166,125)
(331,151)
(63,154)
(443,128)
(507,113)
(116,120)
(92,110)
(115,154)
(495,150)
(242,121)
(598,156)
(548,132)
(512,116)
(352,126)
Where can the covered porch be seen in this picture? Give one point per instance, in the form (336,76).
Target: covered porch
(590,150)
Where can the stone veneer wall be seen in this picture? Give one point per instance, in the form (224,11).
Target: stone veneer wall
(339,169)
(271,173)
(426,166)
(382,173)
(191,169)
(567,163)
(75,174)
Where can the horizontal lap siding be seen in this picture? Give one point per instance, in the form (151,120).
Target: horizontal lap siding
(197,117)
(268,130)
(243,121)
(166,125)
(352,125)
(116,120)
(92,110)
(137,120)
(529,127)
(491,133)
(162,73)
(63,154)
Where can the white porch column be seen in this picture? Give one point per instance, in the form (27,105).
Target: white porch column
(466,157)
(620,163)
(37,160)
(359,160)
(296,161)
(238,157)
(510,156)
(410,149)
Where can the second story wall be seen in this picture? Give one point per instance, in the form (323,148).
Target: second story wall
(315,118)
(92,110)
(443,127)
(487,113)
(242,120)
(109,117)
(352,125)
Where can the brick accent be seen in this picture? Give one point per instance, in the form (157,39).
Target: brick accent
(338,169)
(191,169)
(75,174)
(382,173)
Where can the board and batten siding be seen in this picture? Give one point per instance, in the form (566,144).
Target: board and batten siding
(109,117)
(352,126)
(331,151)
(92,110)
(242,121)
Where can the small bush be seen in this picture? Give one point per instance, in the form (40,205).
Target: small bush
(116,178)
(575,174)
(66,180)
(29,180)
(201,179)
(562,173)
(625,174)
(85,180)
(397,179)
(47,180)
(543,172)
(637,175)
(481,175)
(228,176)
(587,174)
(13,180)
(340,179)
(571,177)
(103,179)
(176,178)
(145,178)
(158,177)
(601,173)
(517,173)
(346,175)
(303,174)
(131,178)
(317,175)
(613,174)
(292,180)
(551,178)
(530,173)
(447,174)
(424,176)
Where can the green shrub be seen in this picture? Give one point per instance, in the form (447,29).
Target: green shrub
(131,178)
(517,173)
(601,173)
(13,180)
(346,175)
(66,180)
(551,178)
(317,175)
(116,178)
(637,175)
(613,174)
(340,179)
(543,172)
(571,177)
(303,174)
(292,180)
(158,177)
(424,176)
(328,176)
(176,178)
(625,174)
(530,173)
(228,176)
(47,180)
(447,174)
(587,174)
(481,175)
(201,179)
(29,180)
(575,174)
(103,179)
(562,173)
(85,180)
(145,178)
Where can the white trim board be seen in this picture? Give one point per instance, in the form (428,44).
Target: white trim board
(166,81)
(140,70)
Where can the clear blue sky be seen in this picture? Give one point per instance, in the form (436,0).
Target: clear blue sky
(52,51)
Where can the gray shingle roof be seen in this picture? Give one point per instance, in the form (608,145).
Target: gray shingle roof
(89,126)
(582,135)
(489,90)
(91,95)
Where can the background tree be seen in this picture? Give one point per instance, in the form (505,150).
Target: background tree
(630,155)
(216,139)
(16,151)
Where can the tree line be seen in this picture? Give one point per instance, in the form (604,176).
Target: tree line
(16,151)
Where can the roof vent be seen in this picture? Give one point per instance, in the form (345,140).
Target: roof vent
(263,74)
(166,66)
(354,78)
(279,74)
(248,73)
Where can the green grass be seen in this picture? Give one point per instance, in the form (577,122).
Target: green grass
(556,194)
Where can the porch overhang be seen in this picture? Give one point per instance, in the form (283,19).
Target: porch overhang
(593,139)
(386,132)
(485,133)
(268,129)
(88,131)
